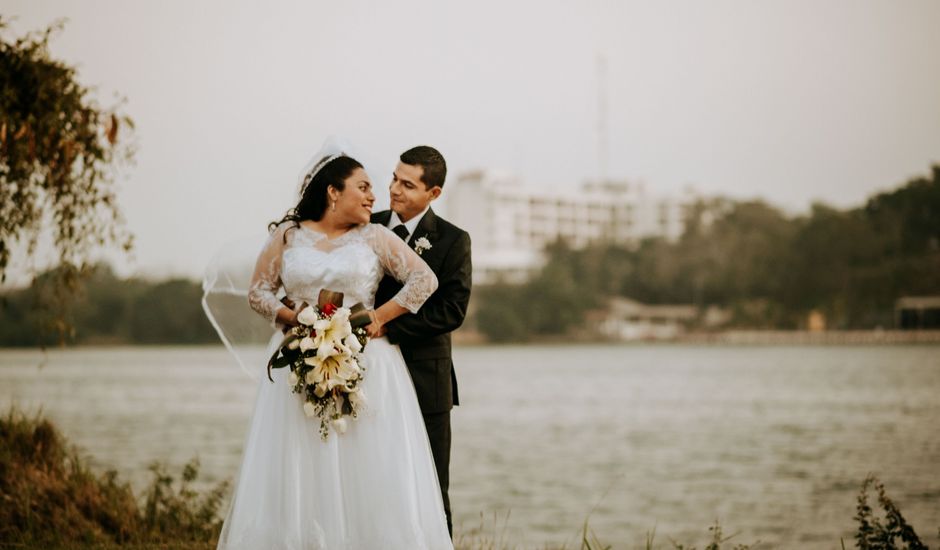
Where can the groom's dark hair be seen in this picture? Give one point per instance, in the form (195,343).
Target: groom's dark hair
(431,161)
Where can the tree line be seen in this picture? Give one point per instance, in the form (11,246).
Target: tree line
(768,270)
(104,309)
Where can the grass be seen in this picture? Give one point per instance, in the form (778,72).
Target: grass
(51,499)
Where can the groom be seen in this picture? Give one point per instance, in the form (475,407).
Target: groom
(424,337)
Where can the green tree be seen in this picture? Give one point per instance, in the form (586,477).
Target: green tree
(501,314)
(551,303)
(832,271)
(108,310)
(740,261)
(853,264)
(170,312)
(911,214)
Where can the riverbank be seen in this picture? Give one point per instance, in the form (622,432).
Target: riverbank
(746,337)
(53,500)
(814,338)
(473,338)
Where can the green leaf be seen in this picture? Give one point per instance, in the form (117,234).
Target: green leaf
(281,362)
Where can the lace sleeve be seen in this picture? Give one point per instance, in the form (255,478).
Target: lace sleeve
(266,280)
(404,264)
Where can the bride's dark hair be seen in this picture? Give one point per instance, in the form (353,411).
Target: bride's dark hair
(313,196)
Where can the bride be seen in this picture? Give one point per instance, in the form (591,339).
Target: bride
(375,485)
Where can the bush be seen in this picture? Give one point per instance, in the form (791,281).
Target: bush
(875,533)
(52,499)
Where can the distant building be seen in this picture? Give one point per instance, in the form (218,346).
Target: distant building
(628,319)
(917,312)
(511,223)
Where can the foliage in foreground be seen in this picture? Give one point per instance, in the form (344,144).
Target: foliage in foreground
(58,150)
(875,533)
(58,154)
(50,498)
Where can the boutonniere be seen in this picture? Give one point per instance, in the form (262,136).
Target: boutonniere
(422,244)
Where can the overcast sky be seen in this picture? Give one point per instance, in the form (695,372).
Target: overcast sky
(791,101)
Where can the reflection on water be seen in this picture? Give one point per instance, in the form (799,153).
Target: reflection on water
(773,442)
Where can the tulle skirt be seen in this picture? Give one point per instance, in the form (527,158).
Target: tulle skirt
(373,487)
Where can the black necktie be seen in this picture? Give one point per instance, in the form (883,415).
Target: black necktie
(401,231)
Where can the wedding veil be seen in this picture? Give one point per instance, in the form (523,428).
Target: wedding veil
(228,277)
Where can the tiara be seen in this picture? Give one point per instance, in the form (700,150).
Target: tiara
(319,166)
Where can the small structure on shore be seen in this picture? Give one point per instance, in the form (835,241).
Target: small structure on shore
(628,319)
(917,312)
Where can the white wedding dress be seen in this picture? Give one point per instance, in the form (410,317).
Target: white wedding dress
(372,487)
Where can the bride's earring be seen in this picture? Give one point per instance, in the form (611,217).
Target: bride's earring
(333,206)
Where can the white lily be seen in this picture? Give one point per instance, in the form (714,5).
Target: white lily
(341,315)
(353,344)
(331,332)
(306,344)
(307,316)
(327,349)
(309,409)
(333,367)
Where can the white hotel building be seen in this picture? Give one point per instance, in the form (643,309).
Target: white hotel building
(510,223)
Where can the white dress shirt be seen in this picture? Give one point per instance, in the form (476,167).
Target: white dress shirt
(394,221)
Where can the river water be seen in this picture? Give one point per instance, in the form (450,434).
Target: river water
(773,442)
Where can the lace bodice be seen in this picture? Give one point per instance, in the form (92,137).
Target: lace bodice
(352,263)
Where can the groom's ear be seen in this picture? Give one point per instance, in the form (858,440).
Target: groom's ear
(435,192)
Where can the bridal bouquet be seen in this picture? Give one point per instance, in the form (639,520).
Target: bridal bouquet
(323,353)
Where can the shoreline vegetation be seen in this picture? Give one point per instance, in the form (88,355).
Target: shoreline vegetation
(741,272)
(107,311)
(738,265)
(731,338)
(51,498)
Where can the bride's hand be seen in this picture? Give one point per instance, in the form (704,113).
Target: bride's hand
(287,317)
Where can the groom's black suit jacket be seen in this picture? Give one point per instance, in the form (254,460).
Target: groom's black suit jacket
(424,337)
